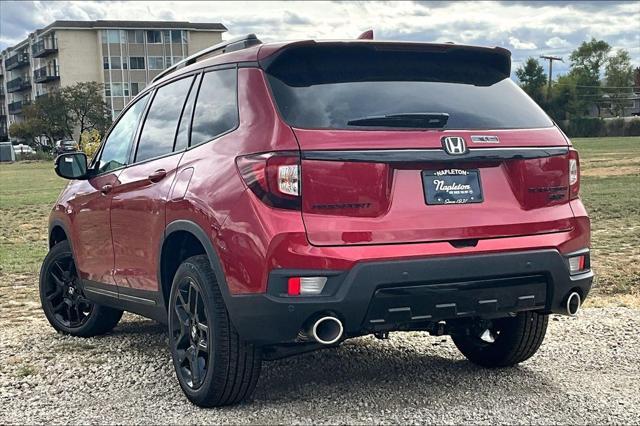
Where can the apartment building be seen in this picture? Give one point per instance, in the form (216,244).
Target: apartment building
(3,109)
(123,55)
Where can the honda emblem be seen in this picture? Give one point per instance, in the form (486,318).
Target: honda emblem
(454,145)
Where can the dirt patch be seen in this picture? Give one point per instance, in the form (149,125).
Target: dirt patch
(612,170)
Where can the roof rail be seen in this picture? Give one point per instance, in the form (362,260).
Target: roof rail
(237,43)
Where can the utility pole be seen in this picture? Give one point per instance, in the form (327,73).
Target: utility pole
(550,59)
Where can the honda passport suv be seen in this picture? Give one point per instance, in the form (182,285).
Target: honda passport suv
(265,200)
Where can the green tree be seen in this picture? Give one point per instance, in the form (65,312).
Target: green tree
(29,130)
(619,75)
(564,102)
(45,119)
(532,79)
(586,67)
(53,112)
(87,107)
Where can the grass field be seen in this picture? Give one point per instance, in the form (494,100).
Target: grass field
(610,191)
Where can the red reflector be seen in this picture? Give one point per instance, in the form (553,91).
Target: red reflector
(294,286)
(581,263)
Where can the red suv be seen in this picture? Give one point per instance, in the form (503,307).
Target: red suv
(266,200)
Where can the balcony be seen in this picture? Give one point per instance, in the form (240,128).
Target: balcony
(16,107)
(41,96)
(18,84)
(18,60)
(46,74)
(44,47)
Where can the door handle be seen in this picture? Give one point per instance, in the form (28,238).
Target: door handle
(158,175)
(106,189)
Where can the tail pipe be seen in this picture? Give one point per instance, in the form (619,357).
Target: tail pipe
(573,303)
(325,329)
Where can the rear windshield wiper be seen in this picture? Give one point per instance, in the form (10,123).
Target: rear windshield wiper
(421,120)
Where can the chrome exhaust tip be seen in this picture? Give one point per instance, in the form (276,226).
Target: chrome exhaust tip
(327,330)
(573,304)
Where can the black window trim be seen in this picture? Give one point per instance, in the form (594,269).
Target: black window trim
(195,88)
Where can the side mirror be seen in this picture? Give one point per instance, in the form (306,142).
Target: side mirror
(72,165)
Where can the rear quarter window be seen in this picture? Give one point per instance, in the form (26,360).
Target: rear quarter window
(216,110)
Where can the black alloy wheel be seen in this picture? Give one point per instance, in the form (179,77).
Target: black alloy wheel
(63,294)
(214,366)
(190,332)
(63,300)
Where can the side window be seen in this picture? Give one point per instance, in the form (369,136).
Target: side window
(159,128)
(216,108)
(115,152)
(182,137)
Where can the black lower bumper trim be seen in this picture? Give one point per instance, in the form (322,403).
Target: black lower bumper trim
(435,302)
(388,295)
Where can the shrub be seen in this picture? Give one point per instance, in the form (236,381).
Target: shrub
(90,142)
(615,127)
(633,127)
(38,156)
(584,127)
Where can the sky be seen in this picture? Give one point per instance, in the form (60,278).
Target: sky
(525,28)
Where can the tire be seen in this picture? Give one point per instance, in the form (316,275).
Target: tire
(62,299)
(516,340)
(213,365)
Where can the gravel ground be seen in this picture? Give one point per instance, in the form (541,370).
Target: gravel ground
(587,372)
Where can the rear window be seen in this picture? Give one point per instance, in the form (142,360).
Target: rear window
(353,87)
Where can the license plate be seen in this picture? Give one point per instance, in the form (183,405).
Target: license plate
(452,186)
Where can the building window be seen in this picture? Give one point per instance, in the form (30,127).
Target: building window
(116,63)
(107,90)
(111,36)
(136,62)
(135,36)
(136,87)
(176,36)
(155,62)
(105,62)
(118,89)
(154,37)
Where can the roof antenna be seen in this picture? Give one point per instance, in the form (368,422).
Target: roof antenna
(367,35)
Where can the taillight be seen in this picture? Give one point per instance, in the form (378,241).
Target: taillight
(273,177)
(574,174)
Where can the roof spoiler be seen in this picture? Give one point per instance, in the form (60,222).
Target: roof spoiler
(237,43)
(367,35)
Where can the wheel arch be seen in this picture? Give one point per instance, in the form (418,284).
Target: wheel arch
(58,232)
(175,232)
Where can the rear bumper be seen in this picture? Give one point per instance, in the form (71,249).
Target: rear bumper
(397,294)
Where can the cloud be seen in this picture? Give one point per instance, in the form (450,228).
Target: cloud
(523,45)
(557,43)
(526,28)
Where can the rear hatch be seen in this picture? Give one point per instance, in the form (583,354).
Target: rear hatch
(404,143)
